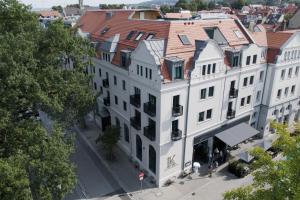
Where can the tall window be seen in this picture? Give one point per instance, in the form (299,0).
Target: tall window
(203,69)
(178,72)
(152,159)
(248,60)
(203,94)
(254,59)
(245,82)
(251,80)
(124,85)
(115,80)
(211,91)
(139,147)
(126,133)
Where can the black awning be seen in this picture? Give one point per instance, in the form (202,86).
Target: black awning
(237,134)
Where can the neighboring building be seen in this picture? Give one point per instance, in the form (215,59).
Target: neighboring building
(281,97)
(178,89)
(48,14)
(294,22)
(180,15)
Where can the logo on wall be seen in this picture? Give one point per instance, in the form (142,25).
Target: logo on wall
(171,162)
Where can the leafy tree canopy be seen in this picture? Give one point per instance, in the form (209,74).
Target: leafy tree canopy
(33,77)
(274,179)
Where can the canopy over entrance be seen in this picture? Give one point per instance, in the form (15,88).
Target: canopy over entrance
(237,134)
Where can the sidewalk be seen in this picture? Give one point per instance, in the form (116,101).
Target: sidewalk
(191,187)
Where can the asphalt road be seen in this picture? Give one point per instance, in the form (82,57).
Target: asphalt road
(94,180)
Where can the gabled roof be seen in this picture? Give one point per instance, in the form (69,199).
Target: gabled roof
(120,22)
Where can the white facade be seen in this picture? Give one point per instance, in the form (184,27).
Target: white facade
(281,99)
(175,156)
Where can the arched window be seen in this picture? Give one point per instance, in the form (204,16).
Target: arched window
(126,133)
(139,148)
(152,159)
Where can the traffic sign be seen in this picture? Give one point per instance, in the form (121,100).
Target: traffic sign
(141,176)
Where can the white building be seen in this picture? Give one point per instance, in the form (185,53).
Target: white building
(180,89)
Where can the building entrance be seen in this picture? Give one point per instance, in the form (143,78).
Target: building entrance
(200,153)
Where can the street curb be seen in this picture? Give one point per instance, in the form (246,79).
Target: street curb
(101,160)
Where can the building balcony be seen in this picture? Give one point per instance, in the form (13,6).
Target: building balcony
(233,93)
(105,83)
(135,100)
(149,132)
(106,101)
(135,123)
(177,111)
(150,109)
(230,114)
(176,134)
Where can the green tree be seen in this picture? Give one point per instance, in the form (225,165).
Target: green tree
(238,4)
(184,4)
(211,5)
(14,182)
(33,77)
(58,8)
(109,139)
(274,180)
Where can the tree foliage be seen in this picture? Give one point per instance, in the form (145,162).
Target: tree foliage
(109,139)
(33,77)
(58,8)
(274,179)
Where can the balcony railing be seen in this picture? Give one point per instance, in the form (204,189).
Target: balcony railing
(176,134)
(105,83)
(150,109)
(149,132)
(233,93)
(230,114)
(135,123)
(135,100)
(106,101)
(177,111)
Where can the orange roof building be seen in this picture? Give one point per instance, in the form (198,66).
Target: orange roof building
(178,89)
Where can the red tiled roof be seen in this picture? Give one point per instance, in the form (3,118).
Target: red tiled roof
(94,21)
(49,13)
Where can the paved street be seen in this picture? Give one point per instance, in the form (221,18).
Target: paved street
(94,180)
(193,187)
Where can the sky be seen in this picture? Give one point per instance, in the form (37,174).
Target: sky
(50,3)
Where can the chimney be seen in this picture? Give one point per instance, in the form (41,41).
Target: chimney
(283,25)
(251,25)
(80,3)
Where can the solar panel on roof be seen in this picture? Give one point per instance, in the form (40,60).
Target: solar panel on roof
(184,39)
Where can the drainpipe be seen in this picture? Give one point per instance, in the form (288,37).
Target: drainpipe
(186,125)
(262,94)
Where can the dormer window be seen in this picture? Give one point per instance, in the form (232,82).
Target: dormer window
(214,33)
(138,37)
(184,39)
(104,30)
(130,35)
(125,58)
(150,36)
(234,57)
(175,67)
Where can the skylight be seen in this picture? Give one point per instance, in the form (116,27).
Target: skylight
(138,37)
(150,36)
(184,39)
(130,35)
(104,30)
(238,34)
